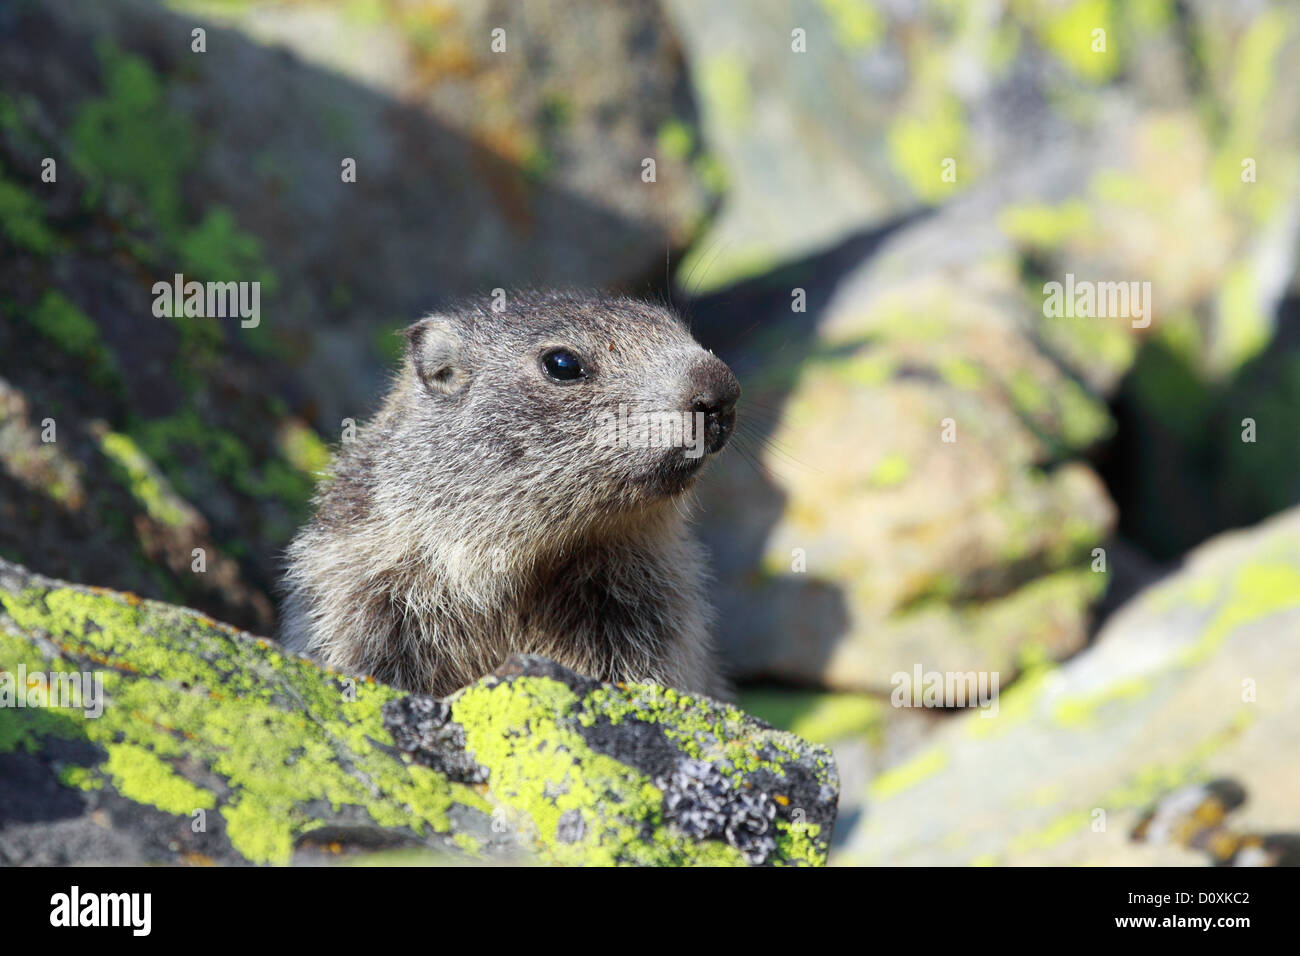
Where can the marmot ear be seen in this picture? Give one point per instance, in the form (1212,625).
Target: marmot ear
(434,347)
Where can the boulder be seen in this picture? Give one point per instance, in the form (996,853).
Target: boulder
(827,117)
(928,450)
(907,485)
(1187,700)
(192,742)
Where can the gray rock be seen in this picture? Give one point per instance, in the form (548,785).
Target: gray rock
(1190,683)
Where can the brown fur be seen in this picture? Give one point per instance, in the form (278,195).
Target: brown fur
(478,515)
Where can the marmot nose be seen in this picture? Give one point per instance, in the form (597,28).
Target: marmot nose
(714,393)
(714,390)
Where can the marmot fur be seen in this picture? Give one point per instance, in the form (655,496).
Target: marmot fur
(511,496)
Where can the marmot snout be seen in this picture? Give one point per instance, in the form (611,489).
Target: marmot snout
(521,491)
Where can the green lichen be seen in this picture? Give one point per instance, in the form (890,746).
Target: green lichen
(724,87)
(528,733)
(216,250)
(713,176)
(1080,711)
(1070,33)
(1252,592)
(1018,703)
(303,449)
(676,139)
(890,470)
(1061,828)
(1045,226)
(133,149)
(185,437)
(1138,792)
(1244,326)
(198,716)
(856,25)
(140,775)
(1064,414)
(714,733)
(1248,594)
(865,367)
(1246,116)
(146,484)
(739,260)
(279,736)
(66,325)
(819,717)
(130,139)
(542,770)
(961,372)
(922,142)
(1032,613)
(896,780)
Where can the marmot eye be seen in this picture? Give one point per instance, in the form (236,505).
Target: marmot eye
(562,365)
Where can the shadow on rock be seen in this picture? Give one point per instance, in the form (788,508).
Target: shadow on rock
(746,324)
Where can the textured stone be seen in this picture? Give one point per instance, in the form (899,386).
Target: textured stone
(282,762)
(1190,685)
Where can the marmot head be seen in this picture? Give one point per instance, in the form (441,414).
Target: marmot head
(564,403)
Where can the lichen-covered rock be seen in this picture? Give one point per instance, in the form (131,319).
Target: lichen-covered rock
(831,116)
(920,497)
(930,434)
(589,772)
(1173,740)
(576,93)
(210,745)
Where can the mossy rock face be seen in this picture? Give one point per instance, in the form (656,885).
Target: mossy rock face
(192,742)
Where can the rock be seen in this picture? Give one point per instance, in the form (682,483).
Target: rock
(213,746)
(1190,685)
(1195,196)
(906,485)
(81,497)
(864,733)
(474,170)
(579,96)
(829,117)
(852,540)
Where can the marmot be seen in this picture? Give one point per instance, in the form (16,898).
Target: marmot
(516,493)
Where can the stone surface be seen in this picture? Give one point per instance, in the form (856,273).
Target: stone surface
(906,485)
(852,540)
(212,746)
(1190,685)
(891,107)
(576,94)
